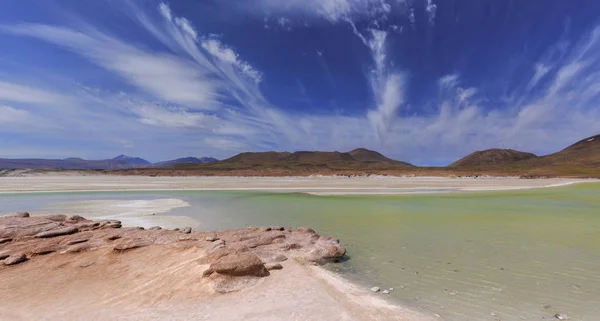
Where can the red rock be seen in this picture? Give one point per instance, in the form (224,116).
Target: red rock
(240,264)
(20,214)
(5,240)
(77,248)
(57,232)
(325,250)
(76,218)
(211,238)
(15,259)
(306,230)
(76,241)
(56,218)
(45,249)
(130,245)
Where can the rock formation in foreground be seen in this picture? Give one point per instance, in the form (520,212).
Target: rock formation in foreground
(233,258)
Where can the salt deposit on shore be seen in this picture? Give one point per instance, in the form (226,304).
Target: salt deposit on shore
(130,212)
(317,184)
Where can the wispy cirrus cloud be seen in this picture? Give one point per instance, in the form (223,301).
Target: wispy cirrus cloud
(9,115)
(12,92)
(159,74)
(332,10)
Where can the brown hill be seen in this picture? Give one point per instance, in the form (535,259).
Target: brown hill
(366,155)
(581,159)
(256,158)
(492,157)
(585,152)
(357,159)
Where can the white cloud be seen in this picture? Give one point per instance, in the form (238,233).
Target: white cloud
(9,115)
(332,10)
(11,92)
(284,23)
(225,143)
(218,50)
(431,9)
(174,118)
(164,75)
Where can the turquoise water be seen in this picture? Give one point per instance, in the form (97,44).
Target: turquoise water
(519,255)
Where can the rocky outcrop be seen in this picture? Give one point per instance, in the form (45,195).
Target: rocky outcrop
(241,264)
(57,232)
(234,259)
(15,259)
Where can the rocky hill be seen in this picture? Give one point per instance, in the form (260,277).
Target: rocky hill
(492,157)
(361,158)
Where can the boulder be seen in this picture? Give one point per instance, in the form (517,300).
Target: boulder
(211,238)
(15,259)
(240,264)
(187,230)
(306,230)
(57,232)
(76,218)
(20,214)
(325,250)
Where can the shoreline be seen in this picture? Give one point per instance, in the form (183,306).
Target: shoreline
(322,185)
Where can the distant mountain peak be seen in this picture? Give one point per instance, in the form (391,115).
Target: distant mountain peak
(131,160)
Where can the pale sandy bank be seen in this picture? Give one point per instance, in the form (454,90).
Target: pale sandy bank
(144,213)
(317,185)
(154,284)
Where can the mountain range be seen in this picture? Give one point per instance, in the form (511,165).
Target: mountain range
(119,162)
(581,159)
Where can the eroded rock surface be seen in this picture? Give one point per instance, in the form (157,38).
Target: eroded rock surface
(234,259)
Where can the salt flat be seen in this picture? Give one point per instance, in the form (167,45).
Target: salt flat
(313,184)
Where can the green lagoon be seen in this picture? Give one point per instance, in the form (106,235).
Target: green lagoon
(518,255)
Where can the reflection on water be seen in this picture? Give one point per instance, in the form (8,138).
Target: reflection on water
(519,255)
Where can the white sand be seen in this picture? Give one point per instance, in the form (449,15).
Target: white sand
(316,185)
(144,213)
(158,283)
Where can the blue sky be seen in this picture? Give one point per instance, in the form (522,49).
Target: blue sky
(424,81)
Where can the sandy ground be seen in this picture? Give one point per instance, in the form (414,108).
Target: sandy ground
(316,185)
(157,284)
